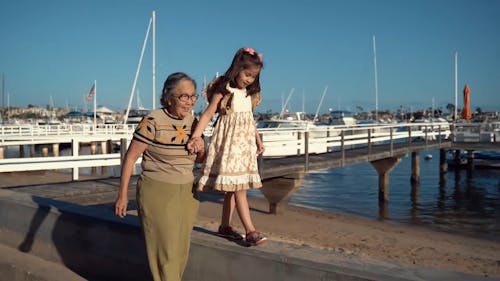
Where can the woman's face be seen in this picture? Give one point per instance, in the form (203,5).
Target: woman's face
(183,99)
(247,76)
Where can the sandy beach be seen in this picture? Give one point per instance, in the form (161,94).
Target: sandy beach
(363,239)
(367,239)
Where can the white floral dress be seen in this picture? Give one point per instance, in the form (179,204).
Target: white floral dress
(231,163)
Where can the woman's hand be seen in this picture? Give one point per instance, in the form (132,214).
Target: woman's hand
(195,145)
(121,206)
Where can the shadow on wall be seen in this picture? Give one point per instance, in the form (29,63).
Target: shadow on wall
(92,243)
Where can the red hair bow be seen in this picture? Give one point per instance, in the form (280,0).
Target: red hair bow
(252,52)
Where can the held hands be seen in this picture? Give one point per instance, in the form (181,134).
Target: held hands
(196,145)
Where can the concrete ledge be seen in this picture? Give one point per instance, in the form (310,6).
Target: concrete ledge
(94,244)
(18,266)
(90,241)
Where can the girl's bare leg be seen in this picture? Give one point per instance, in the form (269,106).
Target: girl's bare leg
(227,209)
(244,210)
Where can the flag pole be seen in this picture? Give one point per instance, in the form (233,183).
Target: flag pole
(95,106)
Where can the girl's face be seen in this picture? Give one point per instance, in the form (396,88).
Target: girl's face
(247,76)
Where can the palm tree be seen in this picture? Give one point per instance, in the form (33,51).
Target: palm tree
(450,107)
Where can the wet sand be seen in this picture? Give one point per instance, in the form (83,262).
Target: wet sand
(363,239)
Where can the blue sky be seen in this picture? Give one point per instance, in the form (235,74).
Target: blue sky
(55,49)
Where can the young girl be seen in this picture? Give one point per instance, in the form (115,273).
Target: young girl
(231,164)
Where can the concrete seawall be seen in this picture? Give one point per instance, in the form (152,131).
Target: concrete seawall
(94,244)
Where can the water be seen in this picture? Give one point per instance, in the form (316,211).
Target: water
(466,203)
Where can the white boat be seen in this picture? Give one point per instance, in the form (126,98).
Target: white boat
(284,136)
(342,117)
(135,115)
(434,128)
(481,159)
(289,120)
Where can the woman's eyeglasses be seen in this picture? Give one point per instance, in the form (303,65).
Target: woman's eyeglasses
(186,97)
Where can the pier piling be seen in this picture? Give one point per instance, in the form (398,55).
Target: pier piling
(32,150)
(415,166)
(55,149)
(384,167)
(75,150)
(104,150)
(470,160)
(93,151)
(45,151)
(443,166)
(21,151)
(278,190)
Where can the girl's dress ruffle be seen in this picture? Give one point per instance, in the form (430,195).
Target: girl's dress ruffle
(231,163)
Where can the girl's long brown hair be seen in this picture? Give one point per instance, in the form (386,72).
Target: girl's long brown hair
(243,59)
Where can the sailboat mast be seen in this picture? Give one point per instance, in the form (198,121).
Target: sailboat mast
(95,106)
(3,91)
(137,73)
(286,103)
(456,86)
(376,78)
(303,102)
(153,16)
(320,103)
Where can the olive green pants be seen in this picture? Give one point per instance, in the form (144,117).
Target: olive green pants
(167,212)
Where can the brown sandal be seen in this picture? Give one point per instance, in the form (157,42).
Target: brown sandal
(255,238)
(229,233)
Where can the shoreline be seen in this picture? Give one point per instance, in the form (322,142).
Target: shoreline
(366,239)
(353,236)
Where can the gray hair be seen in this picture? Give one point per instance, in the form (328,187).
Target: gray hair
(171,83)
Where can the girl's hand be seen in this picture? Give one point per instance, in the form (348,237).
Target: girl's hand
(121,206)
(260,148)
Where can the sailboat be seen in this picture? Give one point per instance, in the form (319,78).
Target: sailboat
(135,114)
(51,120)
(291,120)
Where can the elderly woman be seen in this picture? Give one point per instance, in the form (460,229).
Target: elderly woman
(166,203)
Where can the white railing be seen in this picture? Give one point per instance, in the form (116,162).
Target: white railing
(16,132)
(75,161)
(322,139)
(278,142)
(477,132)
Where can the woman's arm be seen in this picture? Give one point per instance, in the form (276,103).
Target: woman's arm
(135,150)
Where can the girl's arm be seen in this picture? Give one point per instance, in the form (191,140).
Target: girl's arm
(135,150)
(207,115)
(258,142)
(194,144)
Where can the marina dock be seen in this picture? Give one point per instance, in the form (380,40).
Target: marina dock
(81,211)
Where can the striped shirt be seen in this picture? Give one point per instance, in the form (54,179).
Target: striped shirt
(166,158)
